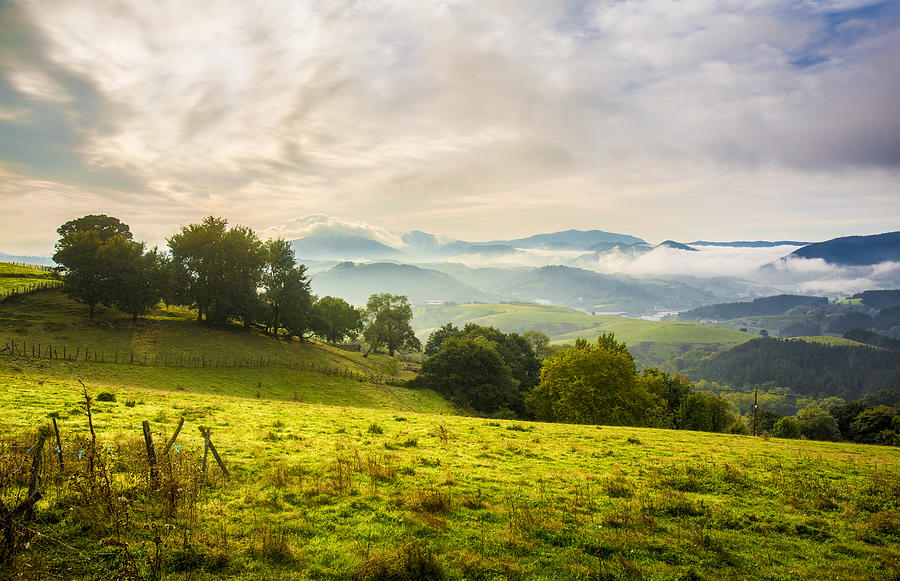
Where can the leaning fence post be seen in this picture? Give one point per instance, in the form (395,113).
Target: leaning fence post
(209,445)
(175,435)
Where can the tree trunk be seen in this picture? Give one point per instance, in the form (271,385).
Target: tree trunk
(92,310)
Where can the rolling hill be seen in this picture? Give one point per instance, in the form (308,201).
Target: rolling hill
(855,250)
(651,342)
(356,282)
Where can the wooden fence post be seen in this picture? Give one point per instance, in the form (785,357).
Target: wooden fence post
(209,445)
(35,471)
(59,454)
(151,453)
(175,435)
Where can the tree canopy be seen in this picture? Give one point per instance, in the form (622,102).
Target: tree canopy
(335,320)
(592,384)
(101,264)
(387,323)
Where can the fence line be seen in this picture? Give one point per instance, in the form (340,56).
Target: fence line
(181,359)
(30,288)
(43,267)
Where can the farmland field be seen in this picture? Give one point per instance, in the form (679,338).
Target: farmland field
(338,492)
(651,342)
(346,475)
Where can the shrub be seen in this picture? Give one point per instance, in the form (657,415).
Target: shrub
(786,428)
(106,396)
(375,428)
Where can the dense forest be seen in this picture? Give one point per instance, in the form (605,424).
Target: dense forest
(777,305)
(808,368)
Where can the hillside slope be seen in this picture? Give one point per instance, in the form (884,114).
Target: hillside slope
(169,350)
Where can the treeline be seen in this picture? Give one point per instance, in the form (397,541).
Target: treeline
(879,299)
(226,273)
(485,371)
(874,419)
(767,306)
(808,368)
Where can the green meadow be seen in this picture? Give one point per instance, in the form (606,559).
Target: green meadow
(651,342)
(340,475)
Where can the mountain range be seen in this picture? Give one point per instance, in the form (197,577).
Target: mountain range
(591,270)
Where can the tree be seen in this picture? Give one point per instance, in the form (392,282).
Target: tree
(103,265)
(85,277)
(437,338)
(105,226)
(515,351)
(135,279)
(787,427)
(592,384)
(388,323)
(670,389)
(705,412)
(817,424)
(471,373)
(335,320)
(540,344)
(286,298)
(218,270)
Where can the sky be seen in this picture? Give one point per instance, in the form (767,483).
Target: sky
(477,120)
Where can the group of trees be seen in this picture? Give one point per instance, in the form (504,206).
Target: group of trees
(486,371)
(103,265)
(226,274)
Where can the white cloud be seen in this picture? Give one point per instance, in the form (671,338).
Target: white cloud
(644,116)
(37,84)
(320,223)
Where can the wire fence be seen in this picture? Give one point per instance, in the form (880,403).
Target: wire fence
(30,288)
(42,267)
(38,350)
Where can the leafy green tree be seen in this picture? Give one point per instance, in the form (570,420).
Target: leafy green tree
(218,270)
(670,389)
(286,297)
(515,351)
(471,373)
(786,427)
(335,320)
(105,226)
(875,426)
(540,344)
(592,384)
(817,424)
(102,264)
(387,323)
(85,277)
(437,338)
(135,278)
(705,412)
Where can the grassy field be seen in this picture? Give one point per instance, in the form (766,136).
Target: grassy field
(651,342)
(15,276)
(340,478)
(322,492)
(222,360)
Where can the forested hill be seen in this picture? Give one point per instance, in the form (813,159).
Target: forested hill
(777,305)
(807,368)
(855,250)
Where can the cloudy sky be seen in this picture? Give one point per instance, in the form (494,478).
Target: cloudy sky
(724,120)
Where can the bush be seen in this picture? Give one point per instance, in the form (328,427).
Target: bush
(786,428)
(106,396)
(817,424)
